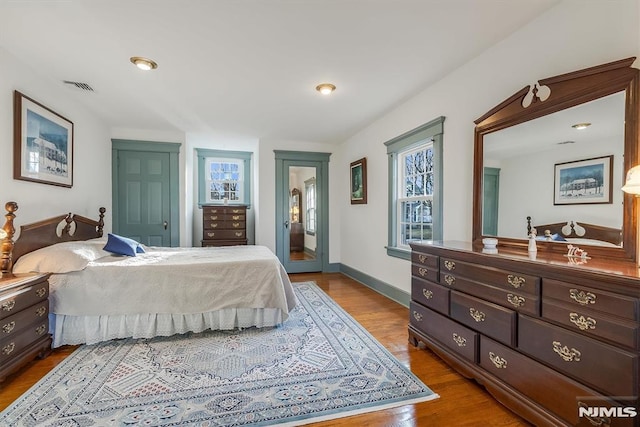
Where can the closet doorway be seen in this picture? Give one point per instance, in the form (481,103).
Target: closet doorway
(302,211)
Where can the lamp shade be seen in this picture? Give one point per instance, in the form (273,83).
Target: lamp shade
(632,183)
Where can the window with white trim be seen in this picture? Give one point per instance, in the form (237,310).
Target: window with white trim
(415,187)
(310,192)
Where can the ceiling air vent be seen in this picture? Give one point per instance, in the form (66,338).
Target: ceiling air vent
(79,85)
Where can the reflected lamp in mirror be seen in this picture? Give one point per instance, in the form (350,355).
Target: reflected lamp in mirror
(632,183)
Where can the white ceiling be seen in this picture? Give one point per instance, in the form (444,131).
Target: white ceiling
(249,68)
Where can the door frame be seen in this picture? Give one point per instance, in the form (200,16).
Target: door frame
(173,148)
(320,161)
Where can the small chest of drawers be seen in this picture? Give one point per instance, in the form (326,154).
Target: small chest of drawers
(24,321)
(224,225)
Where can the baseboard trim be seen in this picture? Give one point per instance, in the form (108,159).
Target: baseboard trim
(391,292)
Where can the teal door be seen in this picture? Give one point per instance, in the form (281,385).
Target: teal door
(491,190)
(302,226)
(145,203)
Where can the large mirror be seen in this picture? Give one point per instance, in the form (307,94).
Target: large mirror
(535,169)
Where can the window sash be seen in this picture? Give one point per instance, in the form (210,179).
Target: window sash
(224,179)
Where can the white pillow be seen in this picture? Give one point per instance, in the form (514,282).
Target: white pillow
(61,257)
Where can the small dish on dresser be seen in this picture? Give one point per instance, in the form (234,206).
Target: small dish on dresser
(490,243)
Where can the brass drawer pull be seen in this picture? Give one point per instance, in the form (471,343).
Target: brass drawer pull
(417,316)
(235,217)
(582,322)
(236,224)
(450,265)
(498,361)
(427,293)
(449,279)
(8,349)
(41,292)
(214,225)
(595,421)
(567,354)
(8,306)
(422,258)
(423,271)
(461,341)
(214,217)
(516,281)
(515,300)
(477,315)
(211,234)
(40,311)
(8,327)
(582,297)
(41,329)
(236,211)
(238,233)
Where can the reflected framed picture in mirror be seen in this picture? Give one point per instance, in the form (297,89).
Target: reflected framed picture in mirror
(583,181)
(359,181)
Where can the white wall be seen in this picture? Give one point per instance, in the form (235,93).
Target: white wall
(573,35)
(91,173)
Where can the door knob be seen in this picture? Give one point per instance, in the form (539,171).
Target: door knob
(166,224)
(286,224)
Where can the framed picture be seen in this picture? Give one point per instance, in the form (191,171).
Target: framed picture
(43,143)
(583,181)
(359,181)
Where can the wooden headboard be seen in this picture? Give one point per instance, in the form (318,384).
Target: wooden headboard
(569,229)
(63,228)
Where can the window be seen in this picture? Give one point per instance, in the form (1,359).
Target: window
(415,187)
(310,191)
(223,176)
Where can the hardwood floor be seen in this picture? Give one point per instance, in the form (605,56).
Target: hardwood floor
(462,402)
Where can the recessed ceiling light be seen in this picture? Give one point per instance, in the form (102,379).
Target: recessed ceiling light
(144,63)
(325,88)
(581,126)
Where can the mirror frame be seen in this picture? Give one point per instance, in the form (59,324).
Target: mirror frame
(567,90)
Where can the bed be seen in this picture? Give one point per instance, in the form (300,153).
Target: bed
(97,296)
(577,233)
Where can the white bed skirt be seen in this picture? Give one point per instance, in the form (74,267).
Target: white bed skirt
(72,330)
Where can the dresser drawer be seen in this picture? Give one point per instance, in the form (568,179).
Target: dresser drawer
(492,276)
(21,298)
(488,318)
(224,234)
(594,323)
(535,380)
(430,295)
(522,302)
(425,260)
(224,225)
(608,369)
(13,324)
(593,299)
(461,340)
(427,273)
(12,345)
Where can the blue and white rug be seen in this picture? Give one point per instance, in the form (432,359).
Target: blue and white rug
(319,365)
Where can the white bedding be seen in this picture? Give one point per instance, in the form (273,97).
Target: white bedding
(165,291)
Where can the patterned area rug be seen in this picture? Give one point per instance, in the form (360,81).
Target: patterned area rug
(320,364)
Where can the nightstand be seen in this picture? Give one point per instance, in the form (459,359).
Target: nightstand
(24,321)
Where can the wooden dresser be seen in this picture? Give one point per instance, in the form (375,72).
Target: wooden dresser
(224,225)
(545,336)
(24,321)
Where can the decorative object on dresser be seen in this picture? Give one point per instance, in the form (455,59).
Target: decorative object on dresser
(224,225)
(24,324)
(530,133)
(43,143)
(523,327)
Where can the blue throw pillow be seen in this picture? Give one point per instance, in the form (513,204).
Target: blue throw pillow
(122,245)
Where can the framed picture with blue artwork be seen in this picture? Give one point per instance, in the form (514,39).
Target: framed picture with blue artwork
(584,181)
(43,143)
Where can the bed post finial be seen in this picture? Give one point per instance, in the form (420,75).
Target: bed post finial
(8,230)
(102,210)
